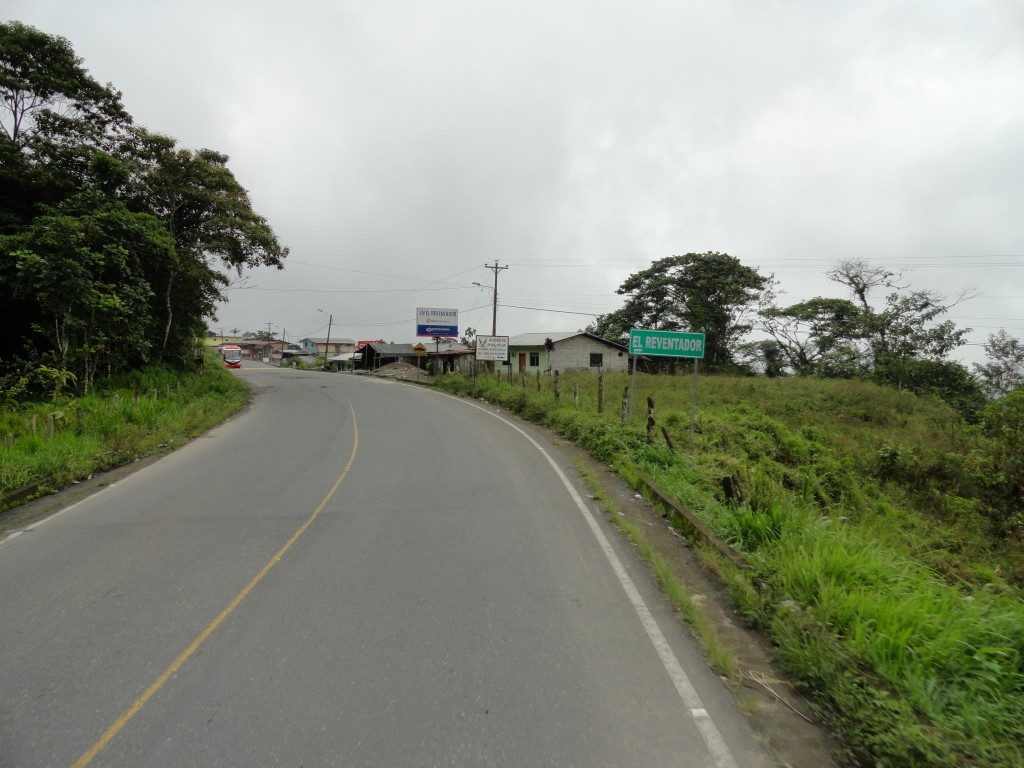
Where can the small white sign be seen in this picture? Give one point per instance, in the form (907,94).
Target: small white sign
(492,347)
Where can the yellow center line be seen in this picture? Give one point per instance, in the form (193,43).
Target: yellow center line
(157,684)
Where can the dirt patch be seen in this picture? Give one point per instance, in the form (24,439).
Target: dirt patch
(402,371)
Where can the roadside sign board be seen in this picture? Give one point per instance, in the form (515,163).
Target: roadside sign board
(420,350)
(666,343)
(431,321)
(492,347)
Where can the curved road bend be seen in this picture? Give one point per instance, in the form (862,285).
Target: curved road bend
(354,573)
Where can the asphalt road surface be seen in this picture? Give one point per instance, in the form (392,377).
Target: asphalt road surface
(353,572)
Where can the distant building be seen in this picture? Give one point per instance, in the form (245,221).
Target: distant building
(572,351)
(321,347)
(376,354)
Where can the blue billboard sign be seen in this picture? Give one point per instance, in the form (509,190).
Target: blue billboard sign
(437,322)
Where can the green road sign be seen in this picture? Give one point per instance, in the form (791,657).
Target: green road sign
(666,343)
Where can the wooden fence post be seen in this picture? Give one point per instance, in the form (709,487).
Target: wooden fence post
(650,419)
(668,440)
(600,393)
(556,386)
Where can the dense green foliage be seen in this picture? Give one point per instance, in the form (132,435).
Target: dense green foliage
(115,245)
(903,343)
(708,292)
(885,533)
(47,446)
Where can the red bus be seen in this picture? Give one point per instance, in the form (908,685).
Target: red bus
(232,355)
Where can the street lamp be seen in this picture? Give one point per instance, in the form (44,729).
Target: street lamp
(494,311)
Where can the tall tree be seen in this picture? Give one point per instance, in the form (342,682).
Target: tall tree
(40,74)
(1004,371)
(214,227)
(907,327)
(51,113)
(708,292)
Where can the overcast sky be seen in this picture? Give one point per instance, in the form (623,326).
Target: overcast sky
(397,146)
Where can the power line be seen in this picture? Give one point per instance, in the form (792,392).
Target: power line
(342,290)
(559,311)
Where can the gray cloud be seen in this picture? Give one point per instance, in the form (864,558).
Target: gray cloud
(398,146)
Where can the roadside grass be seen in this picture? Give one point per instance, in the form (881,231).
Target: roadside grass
(49,445)
(722,661)
(881,569)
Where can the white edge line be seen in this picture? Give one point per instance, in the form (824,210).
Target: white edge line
(716,745)
(47,518)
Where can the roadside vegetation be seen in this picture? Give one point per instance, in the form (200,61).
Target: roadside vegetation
(116,246)
(885,534)
(875,486)
(49,444)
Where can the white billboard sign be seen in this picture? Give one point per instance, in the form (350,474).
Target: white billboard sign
(492,347)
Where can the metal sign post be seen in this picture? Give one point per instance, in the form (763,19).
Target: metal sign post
(668,344)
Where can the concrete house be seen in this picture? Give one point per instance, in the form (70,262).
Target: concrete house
(321,347)
(573,351)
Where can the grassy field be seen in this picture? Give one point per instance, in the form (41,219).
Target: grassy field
(887,567)
(51,444)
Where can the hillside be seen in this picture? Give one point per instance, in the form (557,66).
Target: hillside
(884,533)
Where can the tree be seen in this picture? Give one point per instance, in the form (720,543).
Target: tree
(40,74)
(115,245)
(1002,421)
(908,327)
(1004,372)
(944,379)
(80,267)
(816,337)
(214,227)
(761,357)
(708,292)
(259,336)
(52,116)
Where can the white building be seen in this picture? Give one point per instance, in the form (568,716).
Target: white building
(572,351)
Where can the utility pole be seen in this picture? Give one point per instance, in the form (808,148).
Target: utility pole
(494,315)
(327,345)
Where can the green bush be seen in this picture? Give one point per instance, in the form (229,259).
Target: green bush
(126,417)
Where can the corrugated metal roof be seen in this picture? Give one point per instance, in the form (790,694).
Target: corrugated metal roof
(391,349)
(333,340)
(538,339)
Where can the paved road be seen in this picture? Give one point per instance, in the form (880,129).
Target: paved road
(353,572)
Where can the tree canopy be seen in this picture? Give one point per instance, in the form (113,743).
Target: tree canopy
(853,337)
(115,243)
(708,292)
(1004,371)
